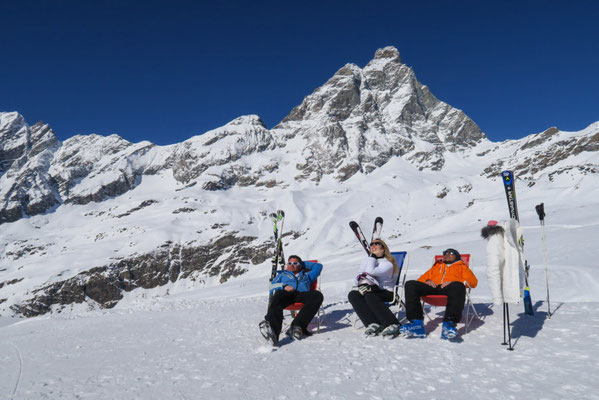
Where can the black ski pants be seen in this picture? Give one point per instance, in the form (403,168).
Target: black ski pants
(456,297)
(282,298)
(371,307)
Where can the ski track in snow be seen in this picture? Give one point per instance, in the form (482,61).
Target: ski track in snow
(192,349)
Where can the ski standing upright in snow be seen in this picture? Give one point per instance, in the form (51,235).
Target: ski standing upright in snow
(510,193)
(278,258)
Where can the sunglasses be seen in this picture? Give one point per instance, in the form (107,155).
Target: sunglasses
(376,244)
(449,252)
(295,263)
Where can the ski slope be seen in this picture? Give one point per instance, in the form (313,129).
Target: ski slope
(205,343)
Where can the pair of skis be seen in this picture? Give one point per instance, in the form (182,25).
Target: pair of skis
(510,193)
(278,219)
(376,233)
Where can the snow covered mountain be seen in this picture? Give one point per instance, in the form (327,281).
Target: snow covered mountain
(94,219)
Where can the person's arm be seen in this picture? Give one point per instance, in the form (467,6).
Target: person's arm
(314,269)
(378,267)
(276,283)
(279,283)
(469,277)
(367,265)
(426,276)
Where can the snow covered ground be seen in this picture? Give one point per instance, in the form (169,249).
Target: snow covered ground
(205,343)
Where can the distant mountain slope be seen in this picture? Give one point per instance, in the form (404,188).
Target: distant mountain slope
(93,217)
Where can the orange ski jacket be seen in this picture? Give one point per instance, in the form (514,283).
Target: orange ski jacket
(458,271)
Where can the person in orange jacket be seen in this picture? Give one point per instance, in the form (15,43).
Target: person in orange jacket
(445,277)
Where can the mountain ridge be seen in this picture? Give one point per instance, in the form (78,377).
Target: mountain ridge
(94,217)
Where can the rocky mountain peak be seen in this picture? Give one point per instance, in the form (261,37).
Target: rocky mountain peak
(364,117)
(14,137)
(11,122)
(388,53)
(252,120)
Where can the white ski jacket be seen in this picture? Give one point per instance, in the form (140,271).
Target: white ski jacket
(380,272)
(505,262)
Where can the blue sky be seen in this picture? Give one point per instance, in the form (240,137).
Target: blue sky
(164,71)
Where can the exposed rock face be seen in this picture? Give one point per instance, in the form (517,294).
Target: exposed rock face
(537,153)
(106,285)
(25,156)
(223,146)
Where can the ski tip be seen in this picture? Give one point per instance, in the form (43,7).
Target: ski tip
(378,220)
(281,213)
(353,223)
(507,176)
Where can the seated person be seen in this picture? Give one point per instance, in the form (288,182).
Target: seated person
(445,277)
(375,287)
(291,286)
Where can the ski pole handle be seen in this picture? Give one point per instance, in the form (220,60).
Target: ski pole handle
(540,211)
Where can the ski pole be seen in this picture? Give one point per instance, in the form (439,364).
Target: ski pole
(281,217)
(506,326)
(540,208)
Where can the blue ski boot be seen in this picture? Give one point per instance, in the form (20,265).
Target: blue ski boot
(449,330)
(414,329)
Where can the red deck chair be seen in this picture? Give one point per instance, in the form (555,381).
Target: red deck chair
(295,307)
(439,300)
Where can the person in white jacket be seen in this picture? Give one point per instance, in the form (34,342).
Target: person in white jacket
(505,261)
(375,282)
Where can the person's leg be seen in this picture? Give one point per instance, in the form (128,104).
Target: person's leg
(375,301)
(456,297)
(274,315)
(364,312)
(312,301)
(414,290)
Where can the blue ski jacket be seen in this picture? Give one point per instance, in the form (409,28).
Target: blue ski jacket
(300,282)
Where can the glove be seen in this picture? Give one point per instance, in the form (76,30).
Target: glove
(363,289)
(360,276)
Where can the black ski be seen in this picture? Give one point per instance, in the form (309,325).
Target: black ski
(360,235)
(510,193)
(377,229)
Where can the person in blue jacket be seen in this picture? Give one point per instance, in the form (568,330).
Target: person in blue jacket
(290,286)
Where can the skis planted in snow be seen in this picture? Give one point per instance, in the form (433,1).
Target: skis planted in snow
(278,258)
(510,194)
